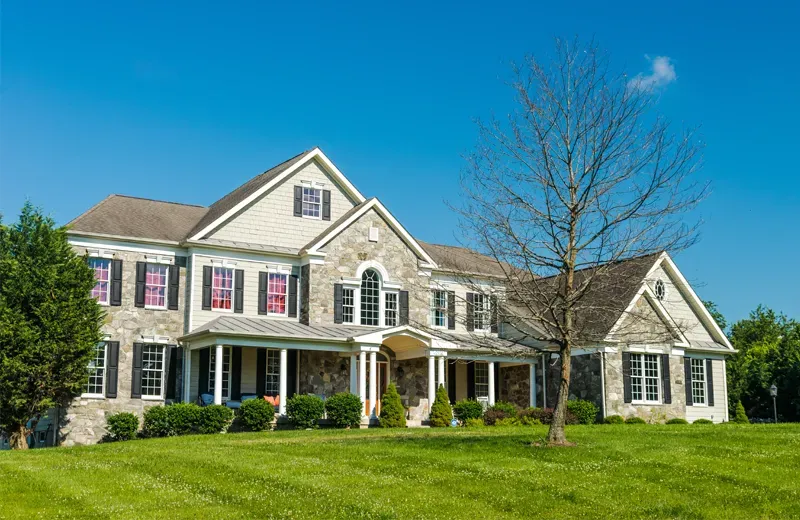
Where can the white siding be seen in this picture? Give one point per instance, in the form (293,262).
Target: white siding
(715,413)
(677,306)
(271,221)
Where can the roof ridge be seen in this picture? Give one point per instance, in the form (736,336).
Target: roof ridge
(155,200)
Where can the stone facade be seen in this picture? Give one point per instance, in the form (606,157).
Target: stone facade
(515,385)
(323,373)
(585,379)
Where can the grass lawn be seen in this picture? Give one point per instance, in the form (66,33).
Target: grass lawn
(620,471)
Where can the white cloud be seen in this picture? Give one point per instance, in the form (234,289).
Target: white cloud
(663,73)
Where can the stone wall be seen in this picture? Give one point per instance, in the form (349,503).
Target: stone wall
(324,373)
(411,378)
(84,421)
(515,385)
(585,379)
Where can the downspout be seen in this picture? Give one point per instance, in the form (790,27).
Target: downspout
(603,383)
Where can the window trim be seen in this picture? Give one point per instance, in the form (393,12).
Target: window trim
(644,378)
(107,301)
(303,202)
(101,395)
(166,286)
(271,352)
(385,295)
(660,283)
(162,349)
(233,283)
(434,308)
(486,312)
(482,364)
(212,368)
(353,314)
(702,363)
(285,312)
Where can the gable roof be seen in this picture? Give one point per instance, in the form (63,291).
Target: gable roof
(463,260)
(124,216)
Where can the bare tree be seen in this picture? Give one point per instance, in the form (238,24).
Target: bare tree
(578,179)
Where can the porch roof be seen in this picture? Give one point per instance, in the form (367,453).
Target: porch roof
(277,328)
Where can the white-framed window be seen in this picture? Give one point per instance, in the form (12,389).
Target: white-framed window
(155,286)
(348,305)
(390,309)
(102,276)
(277,286)
(439,308)
(370,298)
(273,375)
(646,378)
(226,372)
(698,381)
(480,312)
(222,289)
(312,202)
(152,371)
(660,289)
(95,386)
(481,380)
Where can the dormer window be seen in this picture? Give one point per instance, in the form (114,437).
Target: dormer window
(660,289)
(312,202)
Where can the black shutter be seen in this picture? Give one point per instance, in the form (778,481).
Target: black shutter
(403,304)
(207,273)
(710,382)
(112,366)
(665,379)
(451,380)
(337,303)
(174,285)
(687,375)
(136,374)
(298,201)
(326,204)
(236,373)
(471,380)
(626,377)
(291,376)
(496,381)
(262,293)
(205,360)
(141,279)
(451,310)
(261,372)
(493,313)
(169,370)
(238,291)
(305,283)
(179,374)
(470,311)
(115,298)
(292,296)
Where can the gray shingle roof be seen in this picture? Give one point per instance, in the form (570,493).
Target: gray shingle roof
(271,327)
(463,260)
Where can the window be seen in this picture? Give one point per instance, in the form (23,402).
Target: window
(660,289)
(226,372)
(439,309)
(370,298)
(152,370)
(222,288)
(155,288)
(348,305)
(481,380)
(312,202)
(276,293)
(273,379)
(698,381)
(390,309)
(102,275)
(97,371)
(645,378)
(480,312)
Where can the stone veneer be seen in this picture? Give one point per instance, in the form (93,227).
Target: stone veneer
(324,373)
(515,385)
(84,421)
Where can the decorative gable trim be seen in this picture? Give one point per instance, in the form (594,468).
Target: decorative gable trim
(317,154)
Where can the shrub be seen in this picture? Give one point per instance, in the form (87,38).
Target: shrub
(122,426)
(545,415)
(345,409)
(529,416)
(467,409)
(702,421)
(257,414)
(614,419)
(155,422)
(214,418)
(393,415)
(305,410)
(635,420)
(441,413)
(183,418)
(585,411)
(474,423)
(504,406)
(740,416)
(677,420)
(507,421)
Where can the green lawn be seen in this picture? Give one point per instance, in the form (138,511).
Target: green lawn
(623,471)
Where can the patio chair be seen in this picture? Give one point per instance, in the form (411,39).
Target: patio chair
(205,399)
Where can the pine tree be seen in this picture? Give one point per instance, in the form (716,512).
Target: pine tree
(49,323)
(393,415)
(740,416)
(441,413)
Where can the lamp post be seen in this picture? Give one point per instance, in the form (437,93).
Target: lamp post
(773,391)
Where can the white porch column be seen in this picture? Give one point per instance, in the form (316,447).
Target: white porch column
(431,381)
(441,372)
(218,375)
(373,383)
(491,383)
(362,379)
(353,375)
(533,384)
(282,383)
(544,380)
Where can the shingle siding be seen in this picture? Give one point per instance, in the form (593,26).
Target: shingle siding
(677,307)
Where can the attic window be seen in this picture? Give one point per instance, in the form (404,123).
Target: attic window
(660,289)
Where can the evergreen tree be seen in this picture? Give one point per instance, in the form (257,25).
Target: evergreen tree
(740,416)
(49,323)
(393,415)
(441,413)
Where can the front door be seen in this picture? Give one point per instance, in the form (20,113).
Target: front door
(383,382)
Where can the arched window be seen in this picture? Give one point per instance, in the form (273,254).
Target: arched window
(370,298)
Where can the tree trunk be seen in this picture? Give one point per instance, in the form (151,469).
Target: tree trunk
(18,438)
(556,436)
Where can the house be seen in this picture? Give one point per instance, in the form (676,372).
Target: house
(295,282)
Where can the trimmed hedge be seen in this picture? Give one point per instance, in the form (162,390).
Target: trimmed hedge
(185,419)
(585,411)
(155,422)
(677,420)
(614,419)
(122,426)
(215,418)
(703,421)
(393,414)
(467,409)
(305,410)
(345,409)
(257,414)
(441,413)
(635,420)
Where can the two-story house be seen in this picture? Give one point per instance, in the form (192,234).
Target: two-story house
(296,283)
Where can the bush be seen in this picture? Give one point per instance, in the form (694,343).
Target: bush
(490,417)
(214,418)
(507,421)
(441,413)
(702,421)
(614,419)
(467,409)
(305,410)
(504,406)
(122,426)
(635,420)
(529,417)
(740,416)
(545,416)
(345,409)
(393,415)
(677,420)
(585,411)
(183,418)
(474,423)
(257,415)
(155,422)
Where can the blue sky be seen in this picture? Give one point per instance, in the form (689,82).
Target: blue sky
(185,101)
